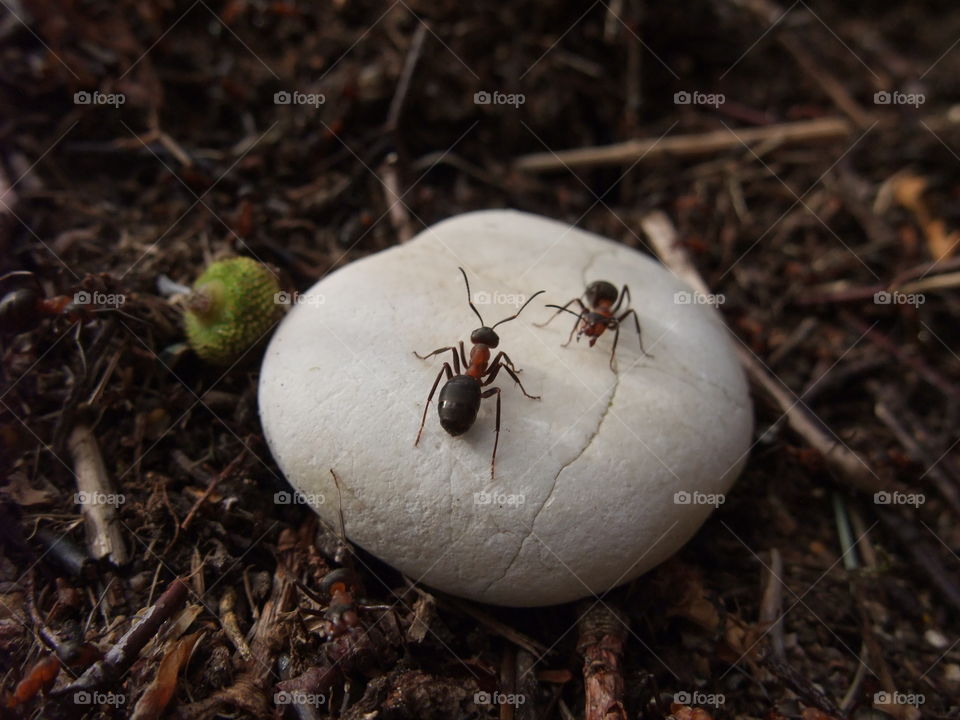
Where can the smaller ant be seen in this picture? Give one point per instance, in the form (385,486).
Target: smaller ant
(601,315)
(23,303)
(461,395)
(341,615)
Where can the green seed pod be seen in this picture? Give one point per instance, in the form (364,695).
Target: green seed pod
(232,307)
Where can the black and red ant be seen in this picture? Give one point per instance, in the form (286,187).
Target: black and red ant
(601,315)
(23,303)
(461,395)
(341,614)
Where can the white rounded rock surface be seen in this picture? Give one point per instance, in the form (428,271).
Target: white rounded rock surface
(602,479)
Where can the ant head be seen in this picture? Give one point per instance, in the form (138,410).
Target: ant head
(340,580)
(485,336)
(600,291)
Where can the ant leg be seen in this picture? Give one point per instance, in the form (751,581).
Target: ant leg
(625,293)
(492,375)
(463,356)
(444,369)
(496,429)
(636,322)
(613,350)
(576,324)
(583,309)
(505,360)
(512,374)
(456,362)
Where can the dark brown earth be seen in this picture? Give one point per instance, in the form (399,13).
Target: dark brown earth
(801,596)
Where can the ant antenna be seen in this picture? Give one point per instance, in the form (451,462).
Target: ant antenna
(539,292)
(564,309)
(470,299)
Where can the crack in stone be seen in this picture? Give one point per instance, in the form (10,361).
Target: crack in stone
(591,261)
(699,383)
(556,480)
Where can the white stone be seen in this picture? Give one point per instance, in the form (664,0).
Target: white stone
(586,478)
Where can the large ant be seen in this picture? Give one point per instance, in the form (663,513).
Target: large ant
(342,615)
(461,395)
(592,321)
(23,303)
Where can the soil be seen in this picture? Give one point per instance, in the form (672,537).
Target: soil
(801,596)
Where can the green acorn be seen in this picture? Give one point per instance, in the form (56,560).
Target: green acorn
(233,305)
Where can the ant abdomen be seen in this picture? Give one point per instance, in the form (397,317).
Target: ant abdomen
(459,404)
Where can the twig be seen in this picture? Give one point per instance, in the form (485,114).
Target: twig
(66,553)
(846,464)
(772,604)
(920,454)
(923,554)
(96,493)
(508,680)
(399,217)
(627,152)
(603,633)
(121,656)
(492,624)
(249,691)
(526,686)
(226,472)
(228,620)
(403,85)
(771,13)
(882,341)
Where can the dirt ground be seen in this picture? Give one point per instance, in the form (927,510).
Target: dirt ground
(146,138)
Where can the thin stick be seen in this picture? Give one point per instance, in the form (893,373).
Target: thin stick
(122,655)
(403,85)
(508,681)
(211,486)
(526,686)
(399,217)
(772,605)
(825,129)
(845,463)
(491,623)
(831,86)
(886,414)
(603,633)
(97,496)
(230,625)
